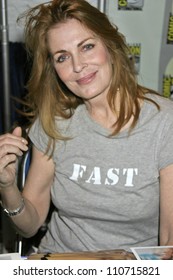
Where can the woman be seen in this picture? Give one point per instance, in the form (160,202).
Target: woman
(102,144)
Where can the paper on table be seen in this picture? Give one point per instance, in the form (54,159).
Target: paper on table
(10,256)
(149,253)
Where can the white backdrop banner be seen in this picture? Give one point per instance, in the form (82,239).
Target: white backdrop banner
(148,28)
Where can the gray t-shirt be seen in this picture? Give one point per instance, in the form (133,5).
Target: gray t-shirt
(106,190)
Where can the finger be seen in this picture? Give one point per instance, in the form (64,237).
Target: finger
(167,255)
(12,146)
(11,149)
(12,139)
(6,160)
(15,135)
(17,131)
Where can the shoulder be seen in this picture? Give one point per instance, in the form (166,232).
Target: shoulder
(66,126)
(165,104)
(38,135)
(151,116)
(63,125)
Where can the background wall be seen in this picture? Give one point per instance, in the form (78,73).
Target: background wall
(15,8)
(148,27)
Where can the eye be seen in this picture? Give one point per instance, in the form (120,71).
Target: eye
(62,58)
(88,47)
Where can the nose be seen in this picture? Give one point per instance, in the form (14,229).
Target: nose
(78,64)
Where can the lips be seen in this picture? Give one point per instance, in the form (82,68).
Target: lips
(87,79)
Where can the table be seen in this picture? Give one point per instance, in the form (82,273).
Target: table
(86,255)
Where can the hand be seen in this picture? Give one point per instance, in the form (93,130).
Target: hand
(12,145)
(168,254)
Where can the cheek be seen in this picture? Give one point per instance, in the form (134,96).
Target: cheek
(104,58)
(63,73)
(106,67)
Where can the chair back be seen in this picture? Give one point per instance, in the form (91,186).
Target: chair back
(23,167)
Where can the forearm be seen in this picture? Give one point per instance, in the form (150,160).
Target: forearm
(166,233)
(166,241)
(27,221)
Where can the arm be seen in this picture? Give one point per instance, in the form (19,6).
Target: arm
(166,206)
(36,192)
(166,210)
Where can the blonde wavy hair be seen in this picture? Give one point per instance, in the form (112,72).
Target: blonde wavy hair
(47,95)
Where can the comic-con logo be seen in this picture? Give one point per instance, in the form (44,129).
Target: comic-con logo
(135,55)
(168,80)
(130,4)
(168,86)
(170,30)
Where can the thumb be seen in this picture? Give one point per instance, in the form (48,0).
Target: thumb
(17,131)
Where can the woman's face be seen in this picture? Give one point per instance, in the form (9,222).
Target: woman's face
(81,60)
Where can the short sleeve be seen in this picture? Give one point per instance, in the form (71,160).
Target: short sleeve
(166,145)
(38,137)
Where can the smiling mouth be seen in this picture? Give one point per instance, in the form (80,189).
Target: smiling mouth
(87,79)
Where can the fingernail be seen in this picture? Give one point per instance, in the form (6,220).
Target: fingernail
(24,141)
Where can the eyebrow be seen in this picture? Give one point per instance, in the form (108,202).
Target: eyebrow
(78,45)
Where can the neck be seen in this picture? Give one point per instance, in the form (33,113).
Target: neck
(101,113)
